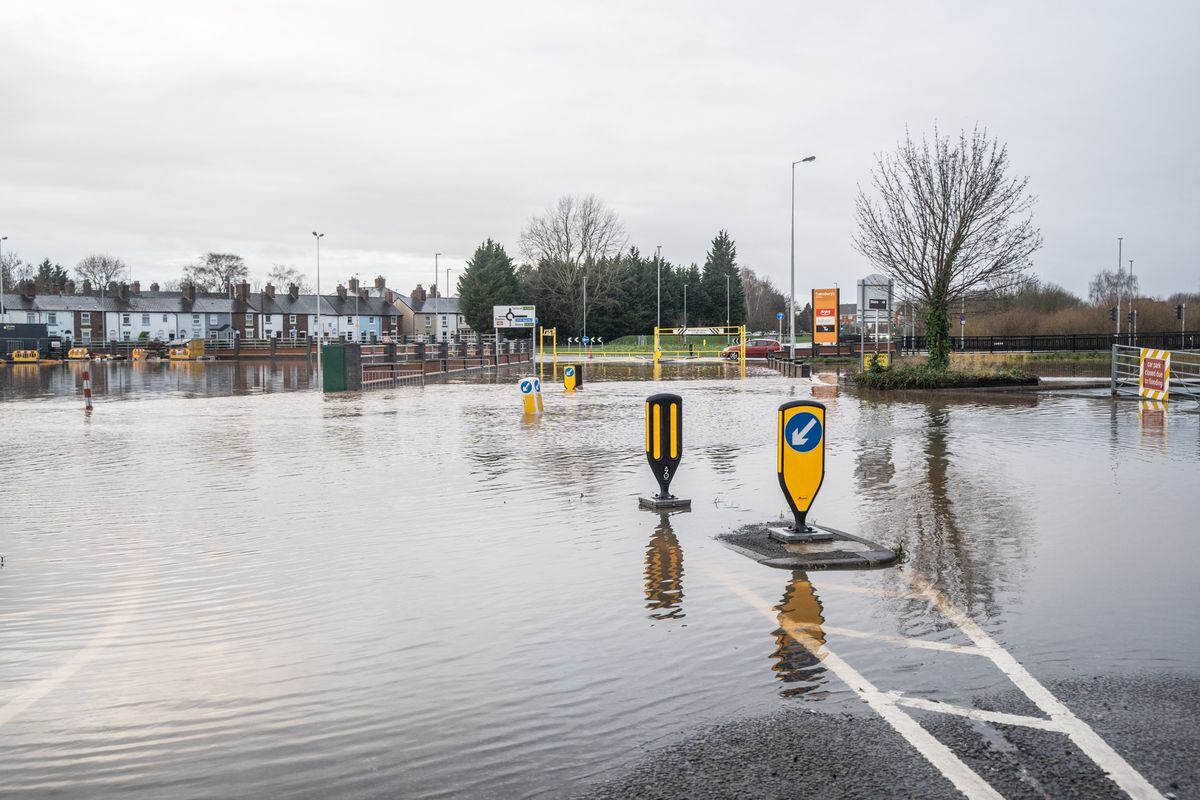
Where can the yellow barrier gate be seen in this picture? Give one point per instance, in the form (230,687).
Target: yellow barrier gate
(715,330)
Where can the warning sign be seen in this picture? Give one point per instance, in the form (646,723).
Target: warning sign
(1154,379)
(801,454)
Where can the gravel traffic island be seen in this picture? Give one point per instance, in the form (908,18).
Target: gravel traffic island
(833,549)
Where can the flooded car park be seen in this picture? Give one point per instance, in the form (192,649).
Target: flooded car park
(221,584)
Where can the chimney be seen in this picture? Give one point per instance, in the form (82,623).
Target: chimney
(123,291)
(69,287)
(243,292)
(353,285)
(87,287)
(364,293)
(418,294)
(189,292)
(433,290)
(380,284)
(390,296)
(154,287)
(28,290)
(112,288)
(293,291)
(269,291)
(136,287)
(341,292)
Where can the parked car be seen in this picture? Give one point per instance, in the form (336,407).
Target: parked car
(755,348)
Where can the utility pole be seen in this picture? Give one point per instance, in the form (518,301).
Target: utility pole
(962,321)
(658,316)
(1132,310)
(1120,241)
(319,237)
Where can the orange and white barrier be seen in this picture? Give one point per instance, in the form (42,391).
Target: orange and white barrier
(1154,374)
(87,391)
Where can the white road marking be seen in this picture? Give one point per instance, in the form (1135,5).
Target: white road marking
(962,649)
(939,755)
(977,713)
(26,697)
(1118,769)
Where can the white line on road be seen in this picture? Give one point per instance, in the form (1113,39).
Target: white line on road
(976,713)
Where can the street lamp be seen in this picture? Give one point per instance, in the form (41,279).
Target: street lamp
(792,301)
(319,237)
(658,316)
(436,273)
(448,271)
(357,318)
(2,240)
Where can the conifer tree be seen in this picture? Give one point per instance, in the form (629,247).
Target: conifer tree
(489,280)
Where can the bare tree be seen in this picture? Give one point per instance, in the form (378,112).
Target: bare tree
(214,271)
(282,276)
(763,301)
(1107,286)
(100,268)
(13,271)
(948,223)
(576,239)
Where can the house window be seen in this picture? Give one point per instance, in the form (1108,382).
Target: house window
(125,336)
(291,319)
(145,319)
(165,318)
(267,321)
(371,320)
(444,323)
(212,319)
(349,320)
(85,318)
(428,322)
(124,319)
(87,335)
(30,317)
(250,319)
(314,320)
(195,319)
(52,318)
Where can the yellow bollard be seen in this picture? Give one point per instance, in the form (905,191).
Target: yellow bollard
(531,395)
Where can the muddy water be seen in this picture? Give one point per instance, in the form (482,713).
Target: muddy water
(216,586)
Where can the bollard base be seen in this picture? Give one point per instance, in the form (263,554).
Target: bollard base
(833,550)
(670,501)
(803,536)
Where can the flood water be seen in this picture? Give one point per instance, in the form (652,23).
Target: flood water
(217,586)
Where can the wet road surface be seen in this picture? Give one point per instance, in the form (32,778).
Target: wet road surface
(218,586)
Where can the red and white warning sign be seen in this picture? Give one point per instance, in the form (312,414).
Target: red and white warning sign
(1154,378)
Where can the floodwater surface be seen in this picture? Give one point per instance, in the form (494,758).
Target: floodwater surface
(216,586)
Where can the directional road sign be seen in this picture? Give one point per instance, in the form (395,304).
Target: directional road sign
(514,316)
(801,454)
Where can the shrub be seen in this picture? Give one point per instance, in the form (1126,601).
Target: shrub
(922,376)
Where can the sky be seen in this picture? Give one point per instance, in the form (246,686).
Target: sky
(157,131)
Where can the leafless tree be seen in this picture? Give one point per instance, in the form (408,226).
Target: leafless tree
(947,223)
(763,301)
(100,268)
(1107,286)
(213,272)
(282,275)
(577,238)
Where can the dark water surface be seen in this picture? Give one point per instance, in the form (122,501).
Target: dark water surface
(216,586)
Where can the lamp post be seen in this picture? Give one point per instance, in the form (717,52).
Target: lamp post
(357,318)
(1120,240)
(319,237)
(448,271)
(658,316)
(1132,311)
(792,300)
(436,273)
(2,311)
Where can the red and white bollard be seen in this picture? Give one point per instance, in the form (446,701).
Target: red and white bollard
(87,391)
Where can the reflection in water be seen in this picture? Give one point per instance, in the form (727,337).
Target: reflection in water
(664,573)
(796,664)
(874,467)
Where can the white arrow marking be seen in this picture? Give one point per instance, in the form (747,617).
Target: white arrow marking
(800,438)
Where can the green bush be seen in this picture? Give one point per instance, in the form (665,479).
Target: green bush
(922,376)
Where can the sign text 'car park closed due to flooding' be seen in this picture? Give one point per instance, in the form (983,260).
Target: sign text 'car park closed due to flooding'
(801,457)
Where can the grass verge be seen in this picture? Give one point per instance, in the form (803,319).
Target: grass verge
(923,377)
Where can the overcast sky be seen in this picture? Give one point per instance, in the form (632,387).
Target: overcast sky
(157,131)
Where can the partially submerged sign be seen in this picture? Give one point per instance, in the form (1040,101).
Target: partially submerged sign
(664,447)
(801,456)
(531,395)
(514,316)
(1154,374)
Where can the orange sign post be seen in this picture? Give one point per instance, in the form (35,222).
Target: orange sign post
(825,316)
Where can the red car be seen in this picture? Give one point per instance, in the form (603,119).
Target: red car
(755,348)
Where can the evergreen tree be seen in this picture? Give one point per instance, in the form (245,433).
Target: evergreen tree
(489,280)
(720,272)
(50,277)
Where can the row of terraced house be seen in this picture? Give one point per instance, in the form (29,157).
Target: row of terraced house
(123,312)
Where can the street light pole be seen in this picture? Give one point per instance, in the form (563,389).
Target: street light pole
(2,311)
(1132,311)
(792,300)
(357,317)
(436,273)
(658,315)
(1120,240)
(319,237)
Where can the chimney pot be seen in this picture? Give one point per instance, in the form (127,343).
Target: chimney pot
(269,290)
(136,287)
(29,290)
(69,287)
(380,283)
(341,291)
(353,285)
(293,291)
(154,287)
(87,287)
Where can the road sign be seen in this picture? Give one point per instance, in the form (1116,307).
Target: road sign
(779,315)
(1154,374)
(800,461)
(884,360)
(531,395)
(514,316)
(664,447)
(569,379)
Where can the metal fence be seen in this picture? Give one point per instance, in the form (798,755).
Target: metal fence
(1056,343)
(388,376)
(1127,369)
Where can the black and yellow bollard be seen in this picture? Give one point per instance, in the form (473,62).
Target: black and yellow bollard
(664,448)
(800,462)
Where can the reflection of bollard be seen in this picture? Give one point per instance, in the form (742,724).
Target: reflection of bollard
(531,395)
(799,638)
(664,448)
(664,573)
(800,463)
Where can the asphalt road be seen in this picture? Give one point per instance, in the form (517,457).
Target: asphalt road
(1150,719)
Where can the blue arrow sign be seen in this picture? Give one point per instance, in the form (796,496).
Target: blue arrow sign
(526,386)
(537,385)
(779,315)
(569,372)
(803,432)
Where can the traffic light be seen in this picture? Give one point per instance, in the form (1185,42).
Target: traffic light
(1131,317)
(1179,311)
(1112,313)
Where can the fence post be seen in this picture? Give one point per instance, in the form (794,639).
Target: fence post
(1113,379)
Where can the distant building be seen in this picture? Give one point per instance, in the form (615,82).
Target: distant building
(437,319)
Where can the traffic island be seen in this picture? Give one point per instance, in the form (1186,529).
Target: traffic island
(832,549)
